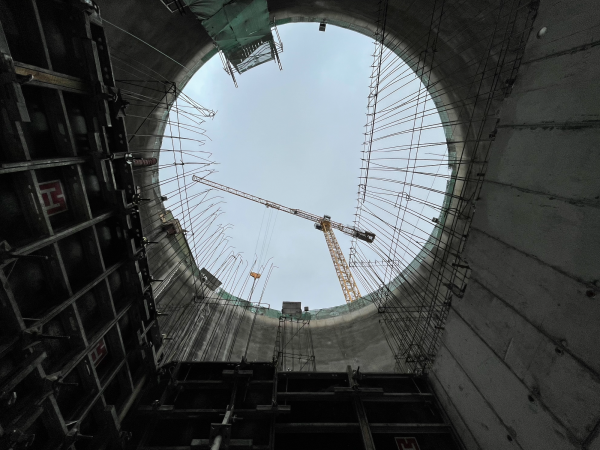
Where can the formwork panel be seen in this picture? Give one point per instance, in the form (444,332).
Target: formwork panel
(78,115)
(15,225)
(71,396)
(419,441)
(81,258)
(316,382)
(411,412)
(193,403)
(37,284)
(116,391)
(128,332)
(96,198)
(110,360)
(72,257)
(92,314)
(62,196)
(23,218)
(318,441)
(22,33)
(42,437)
(38,133)
(327,412)
(65,346)
(113,241)
(59,23)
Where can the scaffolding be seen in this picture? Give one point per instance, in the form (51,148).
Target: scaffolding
(243,33)
(417,191)
(294,350)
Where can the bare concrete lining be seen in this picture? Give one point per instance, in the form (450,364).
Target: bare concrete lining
(519,365)
(185,42)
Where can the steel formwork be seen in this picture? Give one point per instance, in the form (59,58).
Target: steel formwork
(254,406)
(78,332)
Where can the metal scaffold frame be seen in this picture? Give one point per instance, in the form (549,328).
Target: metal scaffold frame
(413,274)
(294,350)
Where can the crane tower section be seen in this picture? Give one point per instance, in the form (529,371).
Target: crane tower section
(349,286)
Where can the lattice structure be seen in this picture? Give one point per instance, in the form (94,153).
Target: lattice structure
(349,287)
(424,162)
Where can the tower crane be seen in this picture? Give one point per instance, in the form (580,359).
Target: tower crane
(324,224)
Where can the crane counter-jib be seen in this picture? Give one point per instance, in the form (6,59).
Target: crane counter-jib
(347,229)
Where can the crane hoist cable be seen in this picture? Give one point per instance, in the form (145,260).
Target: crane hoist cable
(324,224)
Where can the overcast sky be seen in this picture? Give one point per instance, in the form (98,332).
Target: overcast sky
(293,137)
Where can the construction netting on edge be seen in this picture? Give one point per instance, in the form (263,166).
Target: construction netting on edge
(241,29)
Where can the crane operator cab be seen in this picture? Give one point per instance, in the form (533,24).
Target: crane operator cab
(366,236)
(319,225)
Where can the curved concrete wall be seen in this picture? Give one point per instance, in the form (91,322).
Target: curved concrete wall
(186,43)
(354,339)
(519,365)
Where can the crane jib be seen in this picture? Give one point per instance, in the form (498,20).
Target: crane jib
(359,234)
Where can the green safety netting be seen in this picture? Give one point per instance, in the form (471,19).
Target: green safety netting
(241,29)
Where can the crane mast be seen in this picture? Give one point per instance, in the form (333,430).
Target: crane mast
(324,224)
(349,287)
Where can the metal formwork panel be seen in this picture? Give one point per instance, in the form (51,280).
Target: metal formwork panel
(77,316)
(253,406)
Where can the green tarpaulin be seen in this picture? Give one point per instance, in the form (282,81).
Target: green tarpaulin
(241,29)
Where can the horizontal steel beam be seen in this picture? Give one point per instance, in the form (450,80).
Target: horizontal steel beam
(48,78)
(41,243)
(215,384)
(335,397)
(41,164)
(315,375)
(52,313)
(394,428)
(376,428)
(200,444)
(233,443)
(169,411)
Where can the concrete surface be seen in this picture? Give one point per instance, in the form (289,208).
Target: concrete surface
(519,365)
(520,351)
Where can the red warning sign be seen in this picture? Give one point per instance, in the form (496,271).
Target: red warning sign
(99,353)
(407,443)
(54,197)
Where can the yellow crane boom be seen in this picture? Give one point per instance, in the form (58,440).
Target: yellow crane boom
(324,224)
